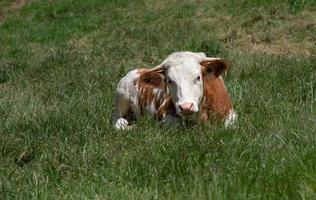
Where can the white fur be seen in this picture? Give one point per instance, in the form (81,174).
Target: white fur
(183,70)
(126,98)
(231,119)
(121,123)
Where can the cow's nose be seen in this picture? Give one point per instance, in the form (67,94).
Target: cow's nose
(186,108)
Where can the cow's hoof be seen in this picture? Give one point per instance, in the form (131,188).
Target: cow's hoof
(122,124)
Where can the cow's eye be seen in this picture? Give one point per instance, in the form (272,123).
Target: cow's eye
(198,78)
(169,81)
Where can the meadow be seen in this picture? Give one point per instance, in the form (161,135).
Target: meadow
(60,62)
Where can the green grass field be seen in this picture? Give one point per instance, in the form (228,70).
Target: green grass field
(60,62)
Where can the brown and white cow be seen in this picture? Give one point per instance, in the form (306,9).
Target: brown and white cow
(186,85)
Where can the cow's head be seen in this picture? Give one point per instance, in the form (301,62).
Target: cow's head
(184,74)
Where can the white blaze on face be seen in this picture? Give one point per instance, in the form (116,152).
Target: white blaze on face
(184,81)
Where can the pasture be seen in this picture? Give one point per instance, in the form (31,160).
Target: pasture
(60,62)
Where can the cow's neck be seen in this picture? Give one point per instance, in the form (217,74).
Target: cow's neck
(216,101)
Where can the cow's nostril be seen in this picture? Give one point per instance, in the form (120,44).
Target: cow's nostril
(186,108)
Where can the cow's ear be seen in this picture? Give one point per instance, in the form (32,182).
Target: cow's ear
(153,78)
(213,67)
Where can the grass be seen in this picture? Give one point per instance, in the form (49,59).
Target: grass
(60,62)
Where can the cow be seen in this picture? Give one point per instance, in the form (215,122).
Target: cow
(186,85)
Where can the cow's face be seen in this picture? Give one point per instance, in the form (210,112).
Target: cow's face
(185,73)
(185,84)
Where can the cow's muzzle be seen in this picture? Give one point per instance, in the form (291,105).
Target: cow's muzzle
(187,108)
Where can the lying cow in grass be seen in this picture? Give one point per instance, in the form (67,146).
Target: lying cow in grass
(186,86)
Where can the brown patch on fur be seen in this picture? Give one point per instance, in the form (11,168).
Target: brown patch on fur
(216,103)
(213,68)
(167,107)
(151,87)
(152,79)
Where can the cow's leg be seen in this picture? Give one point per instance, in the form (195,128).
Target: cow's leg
(122,106)
(231,119)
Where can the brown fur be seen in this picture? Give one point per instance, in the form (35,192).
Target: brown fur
(148,82)
(216,103)
(166,107)
(213,68)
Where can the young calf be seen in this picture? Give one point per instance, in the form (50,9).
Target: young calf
(186,85)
